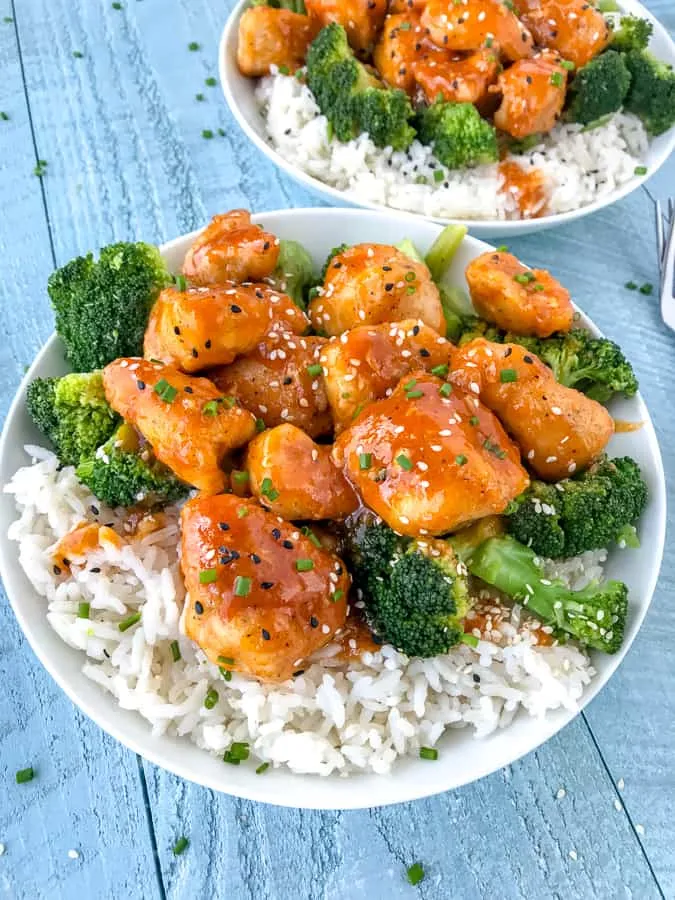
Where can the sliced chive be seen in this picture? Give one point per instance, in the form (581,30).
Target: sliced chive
(641,170)
(263,767)
(210,82)
(408,386)
(441,371)
(200,98)
(165,391)
(461,460)
(474,420)
(538,287)
(428,753)
(445,389)
(242,512)
(507,375)
(315,369)
(242,586)
(210,408)
(227,675)
(268,490)
(365,461)
(207,134)
(438,175)
(415,873)
(307,531)
(238,752)
(469,639)
(557,79)
(125,624)
(23,776)
(338,595)
(211,698)
(647,289)
(567,64)
(240,476)
(77,54)
(304,565)
(410,276)
(524,277)
(414,395)
(116,5)
(175,651)
(284,70)
(83,610)
(631,286)
(4,117)
(226,660)
(503,249)
(208,576)
(259,425)
(194,46)
(180,845)
(404,462)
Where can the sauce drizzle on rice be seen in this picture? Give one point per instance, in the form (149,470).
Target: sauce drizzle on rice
(527,187)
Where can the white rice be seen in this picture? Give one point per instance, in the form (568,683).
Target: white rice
(335,717)
(579,166)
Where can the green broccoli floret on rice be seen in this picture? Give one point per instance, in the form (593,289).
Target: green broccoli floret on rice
(632,34)
(578,514)
(125,472)
(652,91)
(73,413)
(458,135)
(102,306)
(598,89)
(352,96)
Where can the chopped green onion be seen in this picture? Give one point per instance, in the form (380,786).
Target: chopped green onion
(491,447)
(238,752)
(211,698)
(211,82)
(409,385)
(268,490)
(631,286)
(428,753)
(647,289)
(78,54)
(315,369)
(524,277)
(503,249)
(284,70)
(125,624)
(242,586)
(445,389)
(404,26)
(207,134)
(193,46)
(83,610)
(175,651)
(461,460)
(439,175)
(4,117)
(165,391)
(259,425)
(538,287)
(414,395)
(25,775)
(208,576)
(441,371)
(229,402)
(410,276)
(557,79)
(469,639)
(116,5)
(605,6)
(180,845)
(365,461)
(226,660)
(474,420)
(410,289)
(240,476)
(404,462)
(507,375)
(338,595)
(210,408)
(415,873)
(263,767)
(307,531)
(304,565)
(567,64)
(200,98)
(227,675)
(242,512)
(421,179)
(641,170)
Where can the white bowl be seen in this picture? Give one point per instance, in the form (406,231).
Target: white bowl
(239,94)
(462,758)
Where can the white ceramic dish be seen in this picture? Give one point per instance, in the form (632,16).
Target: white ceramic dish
(462,758)
(239,94)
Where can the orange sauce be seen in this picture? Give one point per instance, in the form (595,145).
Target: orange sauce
(488,615)
(527,187)
(623,427)
(81,541)
(356,638)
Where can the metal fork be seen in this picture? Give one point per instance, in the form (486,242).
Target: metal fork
(665,237)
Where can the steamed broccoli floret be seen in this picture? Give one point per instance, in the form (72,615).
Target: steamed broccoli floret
(652,91)
(577,514)
(599,88)
(632,34)
(352,97)
(416,593)
(458,135)
(124,473)
(73,413)
(102,307)
(294,272)
(594,615)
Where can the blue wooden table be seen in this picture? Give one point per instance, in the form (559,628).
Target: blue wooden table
(105,94)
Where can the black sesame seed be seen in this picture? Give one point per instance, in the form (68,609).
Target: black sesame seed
(265,634)
(476,678)
(199,609)
(255,558)
(386,268)
(266,585)
(195,352)
(314,622)
(207,344)
(57,570)
(94,509)
(223,526)
(176,329)
(389,286)
(287,544)
(528,360)
(259,294)
(235,308)
(302,671)
(266,245)
(337,265)
(416,330)
(188,390)
(95,570)
(276,534)
(424,352)
(105,653)
(140,385)
(66,561)
(508,352)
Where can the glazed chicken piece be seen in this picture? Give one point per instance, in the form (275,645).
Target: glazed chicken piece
(403,45)
(533,93)
(361,19)
(211,326)
(559,430)
(230,248)
(273,37)
(472,24)
(429,459)
(463,80)
(574,28)
(366,363)
(281,381)
(405,6)
(261,597)
(372,283)
(186,420)
(296,478)
(515,298)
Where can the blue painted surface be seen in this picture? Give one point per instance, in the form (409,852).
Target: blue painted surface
(121,132)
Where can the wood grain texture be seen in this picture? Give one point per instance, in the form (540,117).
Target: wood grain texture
(121,131)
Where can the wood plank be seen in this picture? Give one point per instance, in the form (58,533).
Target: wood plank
(87,793)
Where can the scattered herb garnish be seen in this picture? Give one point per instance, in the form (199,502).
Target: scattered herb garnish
(211,698)
(507,375)
(165,391)
(194,46)
(641,170)
(180,845)
(77,54)
(461,460)
(200,98)
(647,289)
(268,490)
(41,168)
(314,370)
(365,461)
(469,639)
(557,79)
(83,610)
(631,286)
(438,175)
(242,586)
(428,753)
(404,462)
(304,565)
(208,576)
(25,775)
(175,651)
(441,371)
(415,873)
(207,134)
(263,767)
(211,81)
(126,624)
(242,512)
(238,752)
(240,476)
(445,389)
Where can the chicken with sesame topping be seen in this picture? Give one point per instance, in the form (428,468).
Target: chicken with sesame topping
(533,94)
(575,29)
(231,248)
(186,420)
(368,284)
(472,24)
(429,459)
(210,326)
(361,19)
(526,301)
(403,45)
(273,37)
(558,429)
(261,596)
(296,478)
(281,381)
(460,79)
(366,363)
